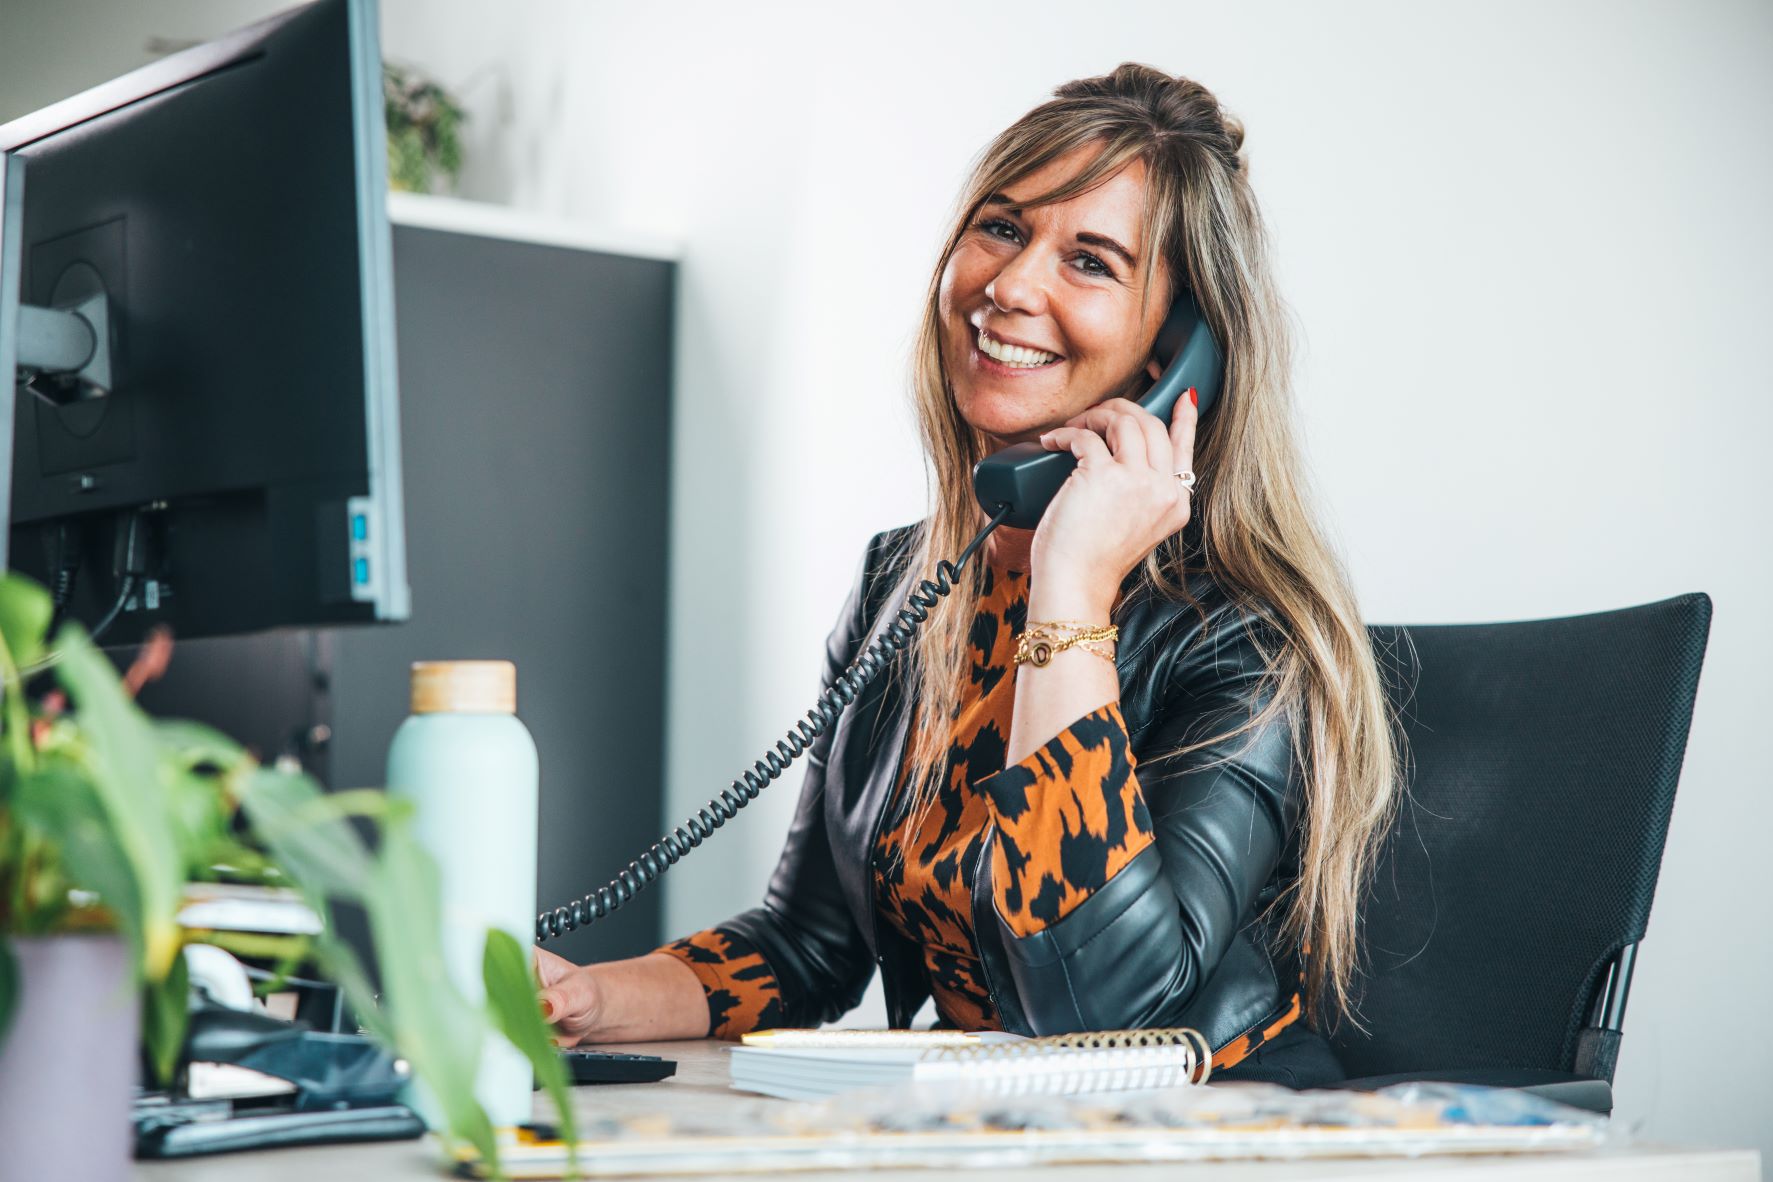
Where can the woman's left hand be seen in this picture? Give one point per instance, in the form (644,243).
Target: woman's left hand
(1119,503)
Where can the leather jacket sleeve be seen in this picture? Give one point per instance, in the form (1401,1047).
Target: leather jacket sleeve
(1136,950)
(804,929)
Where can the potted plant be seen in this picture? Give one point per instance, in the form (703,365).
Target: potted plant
(106,815)
(424,131)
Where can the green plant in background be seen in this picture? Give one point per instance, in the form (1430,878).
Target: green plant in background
(106,814)
(424,130)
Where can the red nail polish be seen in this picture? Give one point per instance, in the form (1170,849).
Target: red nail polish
(1193,398)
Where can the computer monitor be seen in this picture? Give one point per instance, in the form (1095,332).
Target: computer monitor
(196,297)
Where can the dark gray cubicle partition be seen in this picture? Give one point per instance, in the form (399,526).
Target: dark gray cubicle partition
(535,417)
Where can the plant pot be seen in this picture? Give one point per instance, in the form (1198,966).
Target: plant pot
(68,1060)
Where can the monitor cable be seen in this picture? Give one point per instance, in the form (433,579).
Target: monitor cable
(67,573)
(670,849)
(131,566)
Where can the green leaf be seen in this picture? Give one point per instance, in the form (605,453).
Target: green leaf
(435,1027)
(59,802)
(191,744)
(200,819)
(25,612)
(338,960)
(16,630)
(420,1014)
(255,945)
(165,1010)
(8,985)
(369,802)
(308,836)
(511,1001)
(297,952)
(125,777)
(326,860)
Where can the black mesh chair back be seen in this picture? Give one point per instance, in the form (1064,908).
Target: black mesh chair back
(1517,881)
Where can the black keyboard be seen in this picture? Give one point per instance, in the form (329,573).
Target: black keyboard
(611,1067)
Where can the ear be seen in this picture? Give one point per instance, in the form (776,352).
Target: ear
(1153,370)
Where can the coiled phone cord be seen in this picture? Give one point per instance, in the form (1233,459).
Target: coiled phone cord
(668,850)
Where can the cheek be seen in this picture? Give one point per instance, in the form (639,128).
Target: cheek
(966,276)
(945,298)
(1096,332)
(959,288)
(1105,344)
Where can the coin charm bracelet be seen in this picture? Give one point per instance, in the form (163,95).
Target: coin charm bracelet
(1037,644)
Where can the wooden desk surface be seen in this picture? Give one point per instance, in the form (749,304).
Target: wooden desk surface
(701,1084)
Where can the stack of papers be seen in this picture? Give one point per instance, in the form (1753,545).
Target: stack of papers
(229,907)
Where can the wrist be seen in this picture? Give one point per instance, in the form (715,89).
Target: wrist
(1063,599)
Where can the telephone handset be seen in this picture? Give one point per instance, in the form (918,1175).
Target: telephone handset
(1014,486)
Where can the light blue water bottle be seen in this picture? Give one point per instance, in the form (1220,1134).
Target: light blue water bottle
(470,767)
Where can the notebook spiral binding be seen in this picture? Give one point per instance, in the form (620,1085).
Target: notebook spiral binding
(1071,1057)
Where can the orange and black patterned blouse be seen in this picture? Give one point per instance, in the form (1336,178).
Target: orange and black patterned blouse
(1069,817)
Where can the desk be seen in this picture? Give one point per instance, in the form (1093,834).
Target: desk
(700,1083)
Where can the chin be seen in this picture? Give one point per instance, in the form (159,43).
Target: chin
(1009,430)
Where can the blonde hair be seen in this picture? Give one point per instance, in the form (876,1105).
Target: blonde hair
(1259,539)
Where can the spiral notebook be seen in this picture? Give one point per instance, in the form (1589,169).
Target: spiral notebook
(810,1064)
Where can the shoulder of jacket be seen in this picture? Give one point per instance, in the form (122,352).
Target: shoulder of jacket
(898,540)
(884,563)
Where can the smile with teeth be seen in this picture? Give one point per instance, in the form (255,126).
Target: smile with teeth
(1014,356)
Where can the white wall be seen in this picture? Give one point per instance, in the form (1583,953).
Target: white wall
(1528,246)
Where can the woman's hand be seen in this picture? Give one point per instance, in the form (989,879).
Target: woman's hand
(1119,503)
(570,997)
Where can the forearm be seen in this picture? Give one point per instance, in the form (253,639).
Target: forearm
(647,998)
(1072,684)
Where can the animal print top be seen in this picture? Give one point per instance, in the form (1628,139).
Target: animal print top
(1069,817)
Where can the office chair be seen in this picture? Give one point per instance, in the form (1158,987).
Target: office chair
(1514,888)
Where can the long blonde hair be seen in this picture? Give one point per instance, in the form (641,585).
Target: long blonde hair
(1259,539)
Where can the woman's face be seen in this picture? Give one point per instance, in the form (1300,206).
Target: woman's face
(1039,308)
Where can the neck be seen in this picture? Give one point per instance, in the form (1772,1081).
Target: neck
(1009,548)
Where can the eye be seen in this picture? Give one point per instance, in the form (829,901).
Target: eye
(1000,228)
(1091,265)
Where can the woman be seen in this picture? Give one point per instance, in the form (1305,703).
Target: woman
(1168,821)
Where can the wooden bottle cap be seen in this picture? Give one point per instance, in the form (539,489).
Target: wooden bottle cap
(464,687)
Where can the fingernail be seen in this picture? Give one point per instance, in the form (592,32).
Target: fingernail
(1193,398)
(1043,439)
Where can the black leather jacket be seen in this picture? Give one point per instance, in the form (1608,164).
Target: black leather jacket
(1177,938)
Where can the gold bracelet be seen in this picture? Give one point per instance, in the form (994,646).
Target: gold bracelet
(1042,639)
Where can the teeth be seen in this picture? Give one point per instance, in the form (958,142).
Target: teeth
(1013,355)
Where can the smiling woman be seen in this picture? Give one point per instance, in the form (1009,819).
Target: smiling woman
(1137,768)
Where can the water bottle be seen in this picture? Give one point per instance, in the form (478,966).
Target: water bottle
(470,767)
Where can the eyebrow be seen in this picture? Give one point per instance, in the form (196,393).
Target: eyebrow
(1087,237)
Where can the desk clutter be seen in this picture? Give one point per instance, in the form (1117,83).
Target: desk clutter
(954,1126)
(251,1081)
(951,1099)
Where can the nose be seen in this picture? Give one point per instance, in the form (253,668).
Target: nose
(1020,285)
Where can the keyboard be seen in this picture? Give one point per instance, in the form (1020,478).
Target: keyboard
(613,1067)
